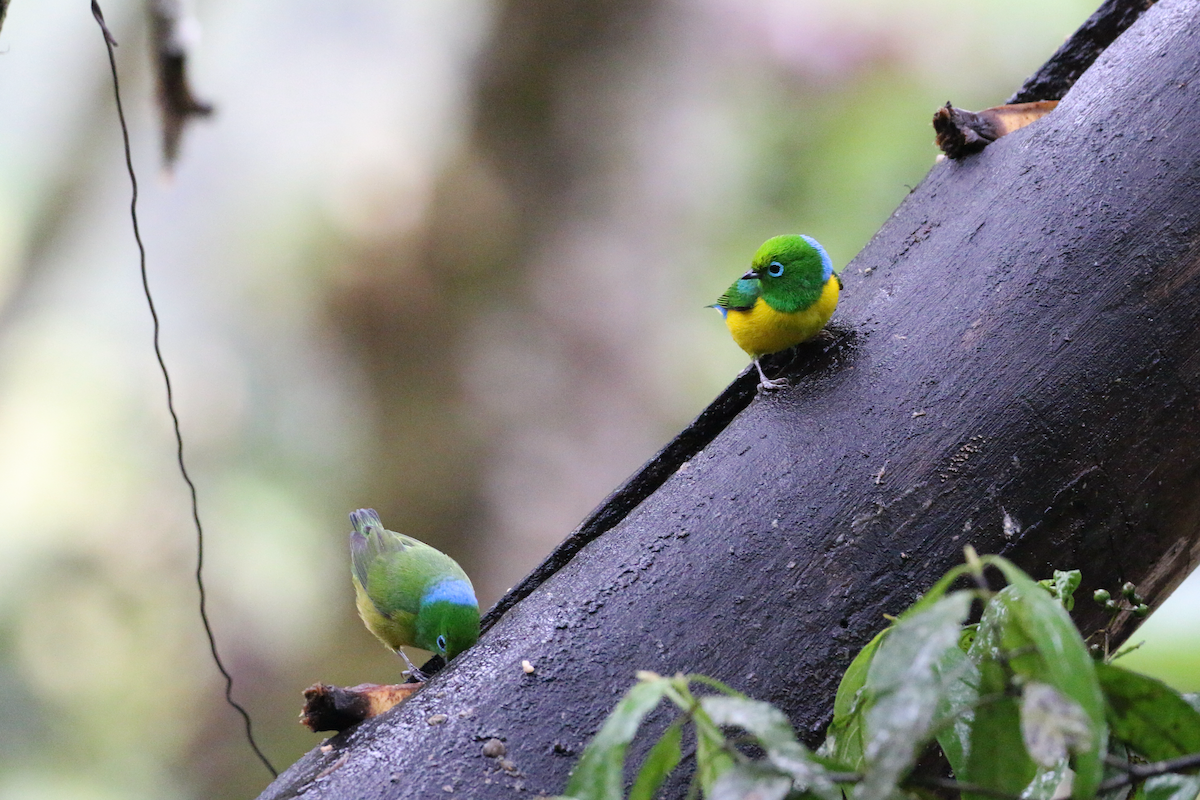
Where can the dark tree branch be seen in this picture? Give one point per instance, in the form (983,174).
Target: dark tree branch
(1017,344)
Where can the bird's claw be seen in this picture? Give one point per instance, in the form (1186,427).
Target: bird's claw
(412,670)
(766,384)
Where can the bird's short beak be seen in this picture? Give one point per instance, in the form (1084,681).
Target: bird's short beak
(750,276)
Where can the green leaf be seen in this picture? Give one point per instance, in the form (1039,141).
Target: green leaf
(968,636)
(955,713)
(773,731)
(1044,785)
(1062,586)
(1052,724)
(1146,714)
(1172,787)
(996,757)
(904,688)
(712,760)
(660,762)
(600,774)
(1037,639)
(856,676)
(844,738)
(750,781)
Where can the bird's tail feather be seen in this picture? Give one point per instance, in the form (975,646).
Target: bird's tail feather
(365,520)
(364,545)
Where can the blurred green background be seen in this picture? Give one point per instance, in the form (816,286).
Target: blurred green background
(445,258)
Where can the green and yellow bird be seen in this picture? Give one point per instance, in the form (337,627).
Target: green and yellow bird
(410,593)
(787,296)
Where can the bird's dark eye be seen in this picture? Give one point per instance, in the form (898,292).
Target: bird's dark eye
(775,270)
(441,643)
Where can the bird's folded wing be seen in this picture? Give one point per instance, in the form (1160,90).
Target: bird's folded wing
(741,296)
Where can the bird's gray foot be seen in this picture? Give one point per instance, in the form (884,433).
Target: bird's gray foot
(412,669)
(766,384)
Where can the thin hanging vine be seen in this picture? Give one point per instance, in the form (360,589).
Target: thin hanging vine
(110,42)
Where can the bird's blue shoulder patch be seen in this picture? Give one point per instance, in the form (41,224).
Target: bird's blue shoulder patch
(451,590)
(826,261)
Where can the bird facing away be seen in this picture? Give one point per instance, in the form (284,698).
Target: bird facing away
(410,593)
(787,296)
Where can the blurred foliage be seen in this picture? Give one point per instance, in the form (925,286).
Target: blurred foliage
(445,258)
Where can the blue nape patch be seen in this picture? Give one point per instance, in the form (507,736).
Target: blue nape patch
(451,590)
(826,261)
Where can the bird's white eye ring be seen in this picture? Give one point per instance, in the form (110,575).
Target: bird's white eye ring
(775,270)
(441,643)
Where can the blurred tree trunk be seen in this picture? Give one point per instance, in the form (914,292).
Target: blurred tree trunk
(1015,370)
(540,144)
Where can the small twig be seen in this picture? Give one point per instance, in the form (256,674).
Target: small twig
(177,103)
(110,42)
(981,582)
(1138,772)
(1124,651)
(929,782)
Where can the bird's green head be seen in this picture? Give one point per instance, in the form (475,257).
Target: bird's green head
(792,271)
(448,619)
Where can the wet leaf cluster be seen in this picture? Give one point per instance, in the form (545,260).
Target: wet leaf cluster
(1012,705)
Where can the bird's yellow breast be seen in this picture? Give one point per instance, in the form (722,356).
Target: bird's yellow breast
(763,330)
